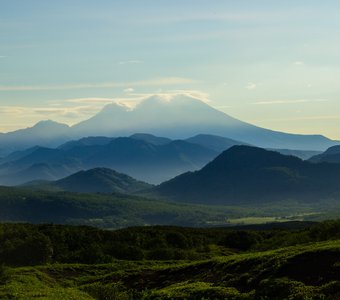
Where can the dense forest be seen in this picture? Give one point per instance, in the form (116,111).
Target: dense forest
(294,260)
(116,210)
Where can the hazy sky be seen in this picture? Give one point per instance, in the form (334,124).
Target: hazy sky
(272,63)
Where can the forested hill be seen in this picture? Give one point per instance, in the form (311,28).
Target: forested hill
(244,174)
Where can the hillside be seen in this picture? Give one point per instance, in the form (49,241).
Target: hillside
(246,174)
(98,180)
(331,155)
(169,263)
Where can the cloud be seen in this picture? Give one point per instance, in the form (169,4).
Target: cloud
(142,83)
(137,97)
(299,63)
(2,56)
(129,90)
(92,100)
(308,118)
(72,111)
(130,62)
(203,96)
(251,86)
(211,15)
(297,101)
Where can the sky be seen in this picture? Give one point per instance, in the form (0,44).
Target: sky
(275,64)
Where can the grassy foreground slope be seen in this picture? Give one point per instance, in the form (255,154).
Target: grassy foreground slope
(300,272)
(66,262)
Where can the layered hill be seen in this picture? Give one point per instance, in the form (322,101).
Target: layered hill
(220,144)
(214,142)
(244,174)
(98,180)
(137,157)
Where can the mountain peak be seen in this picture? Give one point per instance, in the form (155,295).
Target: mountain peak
(243,156)
(45,124)
(175,99)
(115,107)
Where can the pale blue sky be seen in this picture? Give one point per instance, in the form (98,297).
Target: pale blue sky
(272,63)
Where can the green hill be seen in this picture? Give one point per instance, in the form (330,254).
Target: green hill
(98,180)
(244,174)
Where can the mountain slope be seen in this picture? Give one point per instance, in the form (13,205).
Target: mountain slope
(303,154)
(99,180)
(214,142)
(44,133)
(253,175)
(87,141)
(331,155)
(180,117)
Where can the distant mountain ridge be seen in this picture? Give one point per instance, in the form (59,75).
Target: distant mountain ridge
(44,133)
(214,142)
(146,158)
(244,174)
(176,117)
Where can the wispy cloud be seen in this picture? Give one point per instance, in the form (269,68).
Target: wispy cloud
(74,110)
(307,118)
(297,101)
(130,62)
(299,63)
(129,90)
(196,94)
(62,112)
(215,15)
(251,86)
(164,81)
(90,100)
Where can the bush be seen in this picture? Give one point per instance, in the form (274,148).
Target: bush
(4,274)
(113,291)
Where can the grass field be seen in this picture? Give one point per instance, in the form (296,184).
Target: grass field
(300,272)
